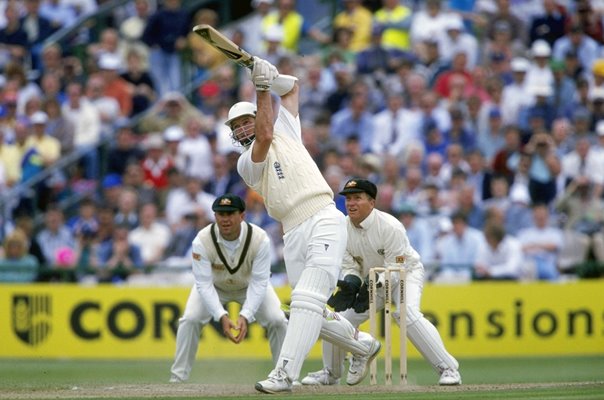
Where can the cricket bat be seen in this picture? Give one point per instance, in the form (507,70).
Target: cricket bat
(224,45)
(283,83)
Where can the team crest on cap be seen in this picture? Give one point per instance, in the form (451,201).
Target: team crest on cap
(225,202)
(351,184)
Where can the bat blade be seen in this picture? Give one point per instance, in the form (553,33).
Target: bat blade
(224,45)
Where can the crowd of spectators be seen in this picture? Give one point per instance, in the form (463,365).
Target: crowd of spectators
(481,123)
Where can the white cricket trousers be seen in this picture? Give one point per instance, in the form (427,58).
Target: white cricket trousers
(313,256)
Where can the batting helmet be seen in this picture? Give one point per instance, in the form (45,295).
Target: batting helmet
(240,109)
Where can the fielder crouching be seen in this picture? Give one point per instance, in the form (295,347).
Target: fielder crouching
(231,262)
(376,238)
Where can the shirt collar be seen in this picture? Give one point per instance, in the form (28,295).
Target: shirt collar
(368,222)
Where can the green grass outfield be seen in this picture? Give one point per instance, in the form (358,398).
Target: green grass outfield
(526,378)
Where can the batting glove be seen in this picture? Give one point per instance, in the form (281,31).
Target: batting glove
(263,74)
(346,293)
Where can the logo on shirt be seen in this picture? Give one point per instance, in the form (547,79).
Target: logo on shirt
(399,259)
(278,170)
(218,267)
(381,252)
(197,256)
(326,246)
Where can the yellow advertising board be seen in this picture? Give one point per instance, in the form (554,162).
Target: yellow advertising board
(475,320)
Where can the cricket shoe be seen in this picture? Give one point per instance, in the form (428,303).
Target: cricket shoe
(450,377)
(322,377)
(359,365)
(277,381)
(176,379)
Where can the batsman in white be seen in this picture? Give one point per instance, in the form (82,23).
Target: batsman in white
(276,164)
(377,239)
(231,263)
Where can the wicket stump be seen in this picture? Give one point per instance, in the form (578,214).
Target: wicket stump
(388,323)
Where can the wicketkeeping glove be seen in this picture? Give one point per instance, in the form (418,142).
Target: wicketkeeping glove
(361,303)
(346,293)
(263,74)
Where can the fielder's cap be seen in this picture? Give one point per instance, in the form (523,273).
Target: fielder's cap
(110,62)
(360,186)
(39,117)
(520,64)
(228,202)
(541,48)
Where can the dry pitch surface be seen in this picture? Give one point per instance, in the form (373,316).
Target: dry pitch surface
(196,390)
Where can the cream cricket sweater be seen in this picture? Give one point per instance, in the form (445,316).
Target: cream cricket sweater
(292,185)
(223,279)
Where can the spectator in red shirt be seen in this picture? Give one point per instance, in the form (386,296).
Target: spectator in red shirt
(156,163)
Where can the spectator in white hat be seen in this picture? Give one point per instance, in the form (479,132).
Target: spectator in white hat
(117,87)
(457,39)
(540,73)
(86,121)
(47,146)
(515,95)
(273,50)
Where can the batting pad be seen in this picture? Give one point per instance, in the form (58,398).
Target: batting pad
(305,320)
(339,331)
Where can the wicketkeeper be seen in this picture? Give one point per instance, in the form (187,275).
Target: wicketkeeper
(231,262)
(377,239)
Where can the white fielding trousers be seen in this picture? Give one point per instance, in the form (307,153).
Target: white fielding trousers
(269,316)
(420,331)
